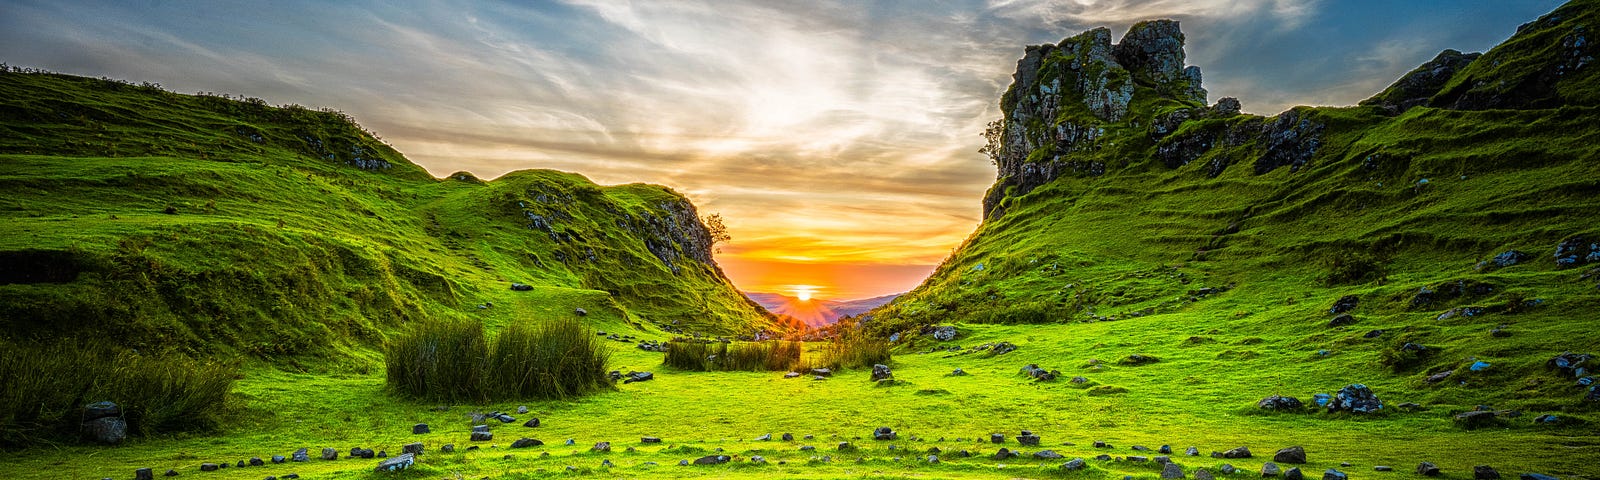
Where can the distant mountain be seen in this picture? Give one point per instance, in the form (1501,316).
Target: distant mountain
(817,312)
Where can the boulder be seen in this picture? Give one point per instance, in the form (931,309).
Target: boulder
(399,462)
(446,448)
(532,422)
(881,372)
(1003,454)
(884,433)
(1485,472)
(1355,398)
(1270,469)
(106,430)
(638,377)
(1278,402)
(329,453)
(419,429)
(1345,304)
(209,467)
(144,474)
(1192,451)
(1427,469)
(526,442)
(997,438)
(300,455)
(1074,464)
(1027,438)
(712,460)
(482,436)
(1295,454)
(1240,452)
(1171,471)
(650,440)
(414,448)
(601,447)
(1294,473)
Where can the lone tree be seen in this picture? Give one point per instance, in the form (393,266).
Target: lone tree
(718,231)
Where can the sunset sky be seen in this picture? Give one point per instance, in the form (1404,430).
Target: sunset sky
(837,139)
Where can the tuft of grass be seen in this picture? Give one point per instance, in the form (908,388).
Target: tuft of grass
(43,390)
(739,356)
(854,347)
(452,361)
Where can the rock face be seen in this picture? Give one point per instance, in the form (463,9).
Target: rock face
(1063,95)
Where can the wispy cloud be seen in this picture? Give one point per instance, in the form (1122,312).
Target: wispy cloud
(838,138)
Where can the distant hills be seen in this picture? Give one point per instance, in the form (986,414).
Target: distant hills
(817,312)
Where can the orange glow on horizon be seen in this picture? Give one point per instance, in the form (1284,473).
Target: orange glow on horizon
(822,280)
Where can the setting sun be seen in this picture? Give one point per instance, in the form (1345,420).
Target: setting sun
(804,292)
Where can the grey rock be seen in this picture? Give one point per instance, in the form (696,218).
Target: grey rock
(1293,473)
(1192,451)
(329,453)
(1295,454)
(414,448)
(683,463)
(1227,469)
(1047,455)
(399,462)
(277,459)
(522,409)
(933,459)
(580,311)
(144,474)
(791,375)
(1421,84)
(1485,472)
(1074,464)
(1003,454)
(448,448)
(1240,452)
(944,333)
(757,459)
(1165,449)
(419,429)
(1270,469)
(106,430)
(1141,448)
(526,442)
(997,438)
(209,467)
(1355,398)
(1427,469)
(532,422)
(807,448)
(1345,304)
(1027,438)
(1341,320)
(787,437)
(884,433)
(764,438)
(601,447)
(521,287)
(300,455)
(170,473)
(632,377)
(1172,471)
(482,436)
(480,428)
(1332,474)
(256,462)
(607,463)
(712,460)
(650,440)
(881,372)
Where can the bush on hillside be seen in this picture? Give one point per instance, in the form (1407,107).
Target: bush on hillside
(452,361)
(43,390)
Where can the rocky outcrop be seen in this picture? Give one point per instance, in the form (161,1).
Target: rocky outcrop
(1420,85)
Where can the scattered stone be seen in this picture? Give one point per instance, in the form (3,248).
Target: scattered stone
(638,377)
(1293,473)
(884,433)
(1203,474)
(1382,468)
(1341,320)
(358,452)
(1027,438)
(1172,472)
(944,333)
(787,437)
(757,459)
(1103,457)
(170,472)
(278,459)
(1355,398)
(1240,452)
(1135,458)
(1167,449)
(1097,443)
(399,462)
(1141,448)
(601,447)
(301,455)
(822,372)
(330,454)
(482,436)
(1278,402)
(256,462)
(881,372)
(1475,419)
(480,428)
(1047,455)
(532,422)
(448,448)
(844,445)
(209,467)
(520,287)
(1003,454)
(764,438)
(933,459)
(1227,469)
(580,311)
(650,440)
(791,375)
(1162,459)
(1295,454)
(1537,476)
(1032,370)
(1485,472)
(1192,451)
(712,460)
(1441,376)
(606,463)
(1427,469)
(411,448)
(1074,464)
(807,448)
(526,442)
(1270,469)
(1345,304)
(997,438)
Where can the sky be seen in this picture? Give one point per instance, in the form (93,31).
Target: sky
(838,139)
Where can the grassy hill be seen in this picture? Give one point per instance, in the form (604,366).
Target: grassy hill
(216,225)
(1226,238)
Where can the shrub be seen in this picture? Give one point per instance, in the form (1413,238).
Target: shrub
(741,356)
(1403,356)
(452,361)
(43,389)
(1349,267)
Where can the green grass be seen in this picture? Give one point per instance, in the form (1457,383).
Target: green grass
(702,356)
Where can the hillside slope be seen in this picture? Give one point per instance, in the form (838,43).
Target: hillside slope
(207,223)
(1460,201)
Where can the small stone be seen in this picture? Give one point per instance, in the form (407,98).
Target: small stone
(482,436)
(448,448)
(1240,452)
(1003,454)
(277,459)
(411,448)
(1341,320)
(933,459)
(301,455)
(1295,454)
(1227,469)
(1047,455)
(1427,469)
(884,433)
(571,442)
(256,462)
(170,472)
(601,447)
(1294,473)
(764,438)
(480,428)
(757,459)
(532,422)
(1074,464)
(330,454)
(1097,444)
(1141,448)
(1166,449)
(526,442)
(523,409)
(1172,472)
(997,437)
(683,463)
(607,462)
(1485,472)
(1270,469)
(419,429)
(144,474)
(208,467)
(650,440)
(1028,439)
(1192,451)
(788,437)
(1332,474)
(399,462)
(712,460)
(807,448)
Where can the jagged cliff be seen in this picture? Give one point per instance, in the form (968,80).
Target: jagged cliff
(1121,193)
(203,223)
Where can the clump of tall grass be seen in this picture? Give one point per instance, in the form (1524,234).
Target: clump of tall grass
(853,347)
(44,388)
(452,361)
(775,355)
(559,360)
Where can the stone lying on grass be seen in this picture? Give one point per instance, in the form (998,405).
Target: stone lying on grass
(398,463)
(1295,454)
